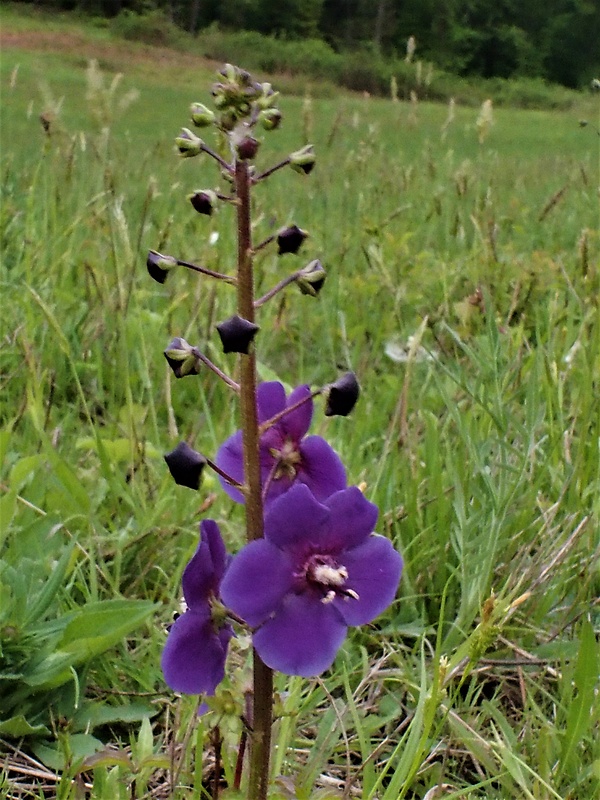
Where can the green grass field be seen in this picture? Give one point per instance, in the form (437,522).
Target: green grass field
(478,437)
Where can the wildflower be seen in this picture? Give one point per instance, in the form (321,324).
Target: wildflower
(310,280)
(286,457)
(188,143)
(303,160)
(193,660)
(182,358)
(203,201)
(319,569)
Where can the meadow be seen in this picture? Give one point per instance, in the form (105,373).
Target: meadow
(463,289)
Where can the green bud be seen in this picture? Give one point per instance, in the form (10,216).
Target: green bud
(159,266)
(201,115)
(270,118)
(310,280)
(303,160)
(188,144)
(203,200)
(181,358)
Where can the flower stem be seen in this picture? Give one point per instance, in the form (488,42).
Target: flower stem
(277,288)
(263,676)
(205,271)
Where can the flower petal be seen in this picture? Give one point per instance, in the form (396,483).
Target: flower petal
(193,661)
(256,581)
(297,422)
(230,458)
(353,519)
(270,400)
(295,520)
(302,638)
(321,468)
(202,574)
(374,571)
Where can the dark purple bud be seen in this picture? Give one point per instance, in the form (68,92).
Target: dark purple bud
(303,160)
(247,148)
(289,240)
(237,334)
(203,200)
(188,143)
(182,358)
(342,395)
(159,266)
(185,465)
(310,280)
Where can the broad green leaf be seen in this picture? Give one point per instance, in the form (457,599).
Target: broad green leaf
(23,469)
(77,747)
(93,715)
(17,727)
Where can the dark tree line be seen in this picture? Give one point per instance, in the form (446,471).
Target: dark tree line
(558,40)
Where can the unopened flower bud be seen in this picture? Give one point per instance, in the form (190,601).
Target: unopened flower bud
(303,160)
(203,200)
(342,395)
(289,240)
(202,116)
(268,97)
(270,118)
(188,143)
(181,358)
(310,280)
(159,266)
(185,465)
(247,148)
(237,334)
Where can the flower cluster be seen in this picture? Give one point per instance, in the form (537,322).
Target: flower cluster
(313,565)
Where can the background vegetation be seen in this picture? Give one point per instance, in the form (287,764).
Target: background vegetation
(551,41)
(463,288)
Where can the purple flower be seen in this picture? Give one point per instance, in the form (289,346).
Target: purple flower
(319,569)
(193,660)
(286,457)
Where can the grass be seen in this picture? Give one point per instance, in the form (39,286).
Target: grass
(479,443)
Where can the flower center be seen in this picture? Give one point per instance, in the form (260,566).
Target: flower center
(323,572)
(287,460)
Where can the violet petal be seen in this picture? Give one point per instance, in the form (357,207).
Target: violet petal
(270,400)
(295,520)
(374,571)
(256,581)
(353,519)
(193,660)
(302,638)
(321,468)
(230,458)
(297,422)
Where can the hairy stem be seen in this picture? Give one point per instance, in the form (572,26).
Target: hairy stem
(263,676)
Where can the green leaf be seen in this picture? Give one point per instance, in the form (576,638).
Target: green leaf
(61,755)
(17,727)
(585,679)
(93,715)
(24,469)
(96,628)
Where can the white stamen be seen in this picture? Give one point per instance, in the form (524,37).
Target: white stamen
(330,576)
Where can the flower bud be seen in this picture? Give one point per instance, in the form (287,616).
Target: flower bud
(159,266)
(303,160)
(182,358)
(237,334)
(201,115)
(185,465)
(342,395)
(289,240)
(247,148)
(270,118)
(203,200)
(310,280)
(268,97)
(188,143)
(228,120)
